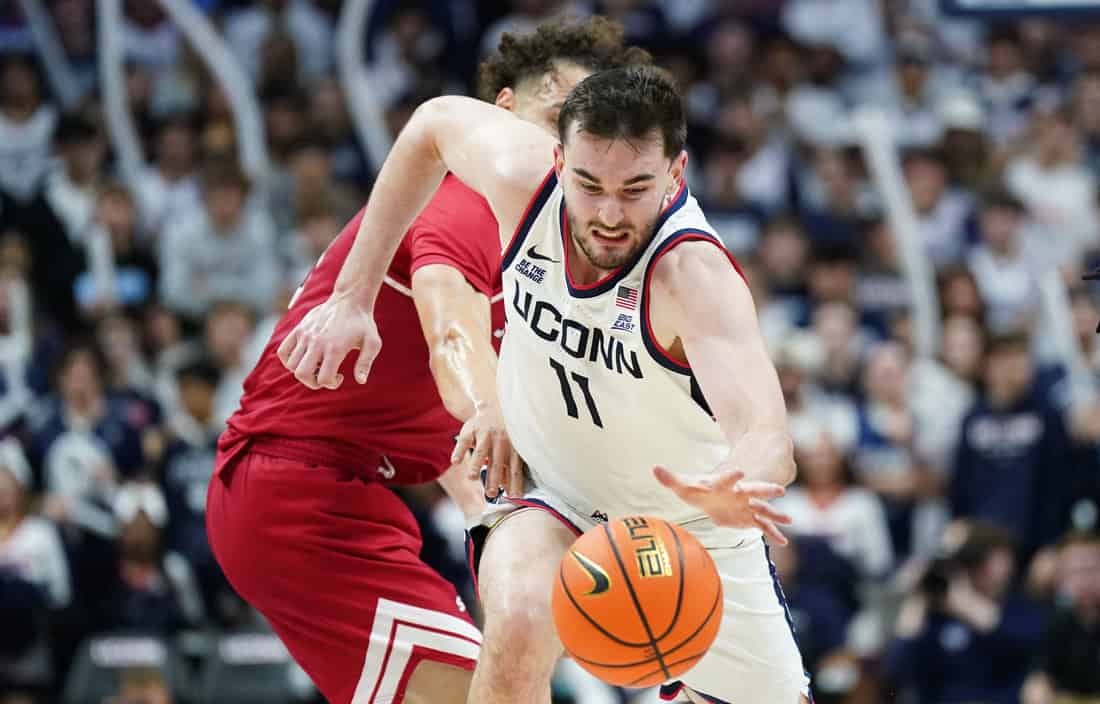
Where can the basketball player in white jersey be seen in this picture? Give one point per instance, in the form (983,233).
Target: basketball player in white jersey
(632,350)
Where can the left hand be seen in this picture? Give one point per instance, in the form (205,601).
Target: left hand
(731,500)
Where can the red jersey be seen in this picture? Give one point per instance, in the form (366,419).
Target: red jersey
(398,412)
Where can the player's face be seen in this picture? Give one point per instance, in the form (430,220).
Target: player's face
(539,100)
(615,190)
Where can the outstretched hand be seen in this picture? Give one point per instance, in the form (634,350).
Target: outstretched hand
(731,500)
(318,344)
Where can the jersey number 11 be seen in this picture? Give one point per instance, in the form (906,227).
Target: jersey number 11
(567,393)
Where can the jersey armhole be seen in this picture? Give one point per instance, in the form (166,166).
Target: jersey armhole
(656,350)
(534,207)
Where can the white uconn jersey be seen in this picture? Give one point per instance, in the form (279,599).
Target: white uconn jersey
(590,400)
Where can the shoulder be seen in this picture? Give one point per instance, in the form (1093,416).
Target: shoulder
(690,260)
(454,205)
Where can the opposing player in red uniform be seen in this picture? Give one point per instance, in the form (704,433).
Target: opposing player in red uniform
(299,514)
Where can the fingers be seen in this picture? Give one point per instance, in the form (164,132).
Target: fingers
(306,370)
(482,457)
(368,350)
(463,444)
(294,352)
(764,509)
(515,475)
(329,377)
(670,480)
(727,480)
(770,530)
(286,347)
(761,490)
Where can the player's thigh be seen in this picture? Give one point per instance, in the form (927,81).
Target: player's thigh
(438,683)
(334,567)
(755,656)
(517,569)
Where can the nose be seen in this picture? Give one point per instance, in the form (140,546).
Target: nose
(610,213)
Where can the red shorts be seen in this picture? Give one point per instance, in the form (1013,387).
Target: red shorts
(332,561)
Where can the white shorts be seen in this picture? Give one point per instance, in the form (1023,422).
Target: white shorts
(755,656)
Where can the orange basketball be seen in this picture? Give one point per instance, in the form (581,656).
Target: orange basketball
(637,601)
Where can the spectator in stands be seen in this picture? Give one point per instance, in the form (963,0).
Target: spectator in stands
(1011,466)
(1006,87)
(820,617)
(882,293)
(966,636)
(318,225)
(884,457)
(247,27)
(1086,117)
(27,124)
(34,578)
(764,177)
(825,503)
(154,591)
(1005,264)
(797,358)
(115,256)
(836,213)
(941,212)
(227,338)
(959,295)
(167,191)
(842,344)
(73,187)
(185,474)
(225,252)
(329,120)
(737,221)
(944,390)
(1065,665)
(1059,192)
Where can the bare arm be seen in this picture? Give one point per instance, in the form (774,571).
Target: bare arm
(702,304)
(699,298)
(497,154)
(458,329)
(457,325)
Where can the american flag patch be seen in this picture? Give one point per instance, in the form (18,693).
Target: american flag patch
(626,297)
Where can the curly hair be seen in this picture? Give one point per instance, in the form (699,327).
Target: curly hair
(595,44)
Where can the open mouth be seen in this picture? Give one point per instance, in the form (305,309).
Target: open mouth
(610,238)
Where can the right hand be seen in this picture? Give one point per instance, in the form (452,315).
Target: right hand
(318,344)
(485,435)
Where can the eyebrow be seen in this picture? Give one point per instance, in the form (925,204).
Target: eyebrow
(629,182)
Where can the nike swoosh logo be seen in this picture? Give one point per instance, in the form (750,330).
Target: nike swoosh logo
(600,581)
(535,255)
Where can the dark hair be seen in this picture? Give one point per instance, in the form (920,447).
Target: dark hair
(596,44)
(627,103)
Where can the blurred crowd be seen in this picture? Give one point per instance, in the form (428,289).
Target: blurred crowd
(944,549)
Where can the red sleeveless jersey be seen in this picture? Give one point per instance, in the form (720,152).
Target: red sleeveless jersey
(398,412)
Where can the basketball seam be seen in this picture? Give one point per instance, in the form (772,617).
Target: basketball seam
(646,676)
(634,598)
(670,651)
(680,593)
(598,627)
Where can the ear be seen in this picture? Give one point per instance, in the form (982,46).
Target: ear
(506,99)
(677,171)
(559,160)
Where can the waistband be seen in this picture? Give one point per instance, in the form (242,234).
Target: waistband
(364,463)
